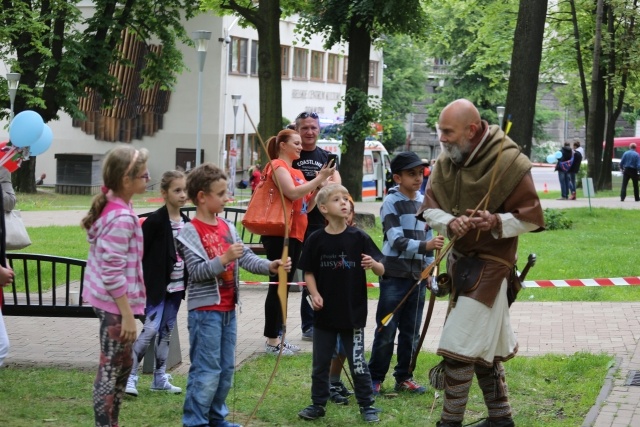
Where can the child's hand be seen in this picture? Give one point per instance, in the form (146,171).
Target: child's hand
(233,253)
(128,331)
(435,243)
(6,276)
(367,262)
(317,301)
(275,264)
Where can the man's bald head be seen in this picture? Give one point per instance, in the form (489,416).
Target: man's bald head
(463,112)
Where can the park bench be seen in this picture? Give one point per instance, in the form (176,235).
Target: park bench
(51,286)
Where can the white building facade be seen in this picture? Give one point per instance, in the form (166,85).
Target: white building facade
(313,79)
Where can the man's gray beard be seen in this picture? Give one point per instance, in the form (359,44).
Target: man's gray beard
(456,152)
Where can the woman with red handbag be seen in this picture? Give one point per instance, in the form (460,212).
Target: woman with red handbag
(283,149)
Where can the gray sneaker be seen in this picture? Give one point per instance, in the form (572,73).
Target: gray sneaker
(161,383)
(132,383)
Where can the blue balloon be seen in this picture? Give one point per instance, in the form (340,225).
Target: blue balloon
(25,128)
(551,158)
(43,143)
(558,155)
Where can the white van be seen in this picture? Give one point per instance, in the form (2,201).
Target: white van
(375,164)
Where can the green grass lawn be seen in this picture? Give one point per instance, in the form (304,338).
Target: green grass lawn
(550,390)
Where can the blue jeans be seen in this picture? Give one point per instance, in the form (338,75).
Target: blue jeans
(212,337)
(159,322)
(565,183)
(406,321)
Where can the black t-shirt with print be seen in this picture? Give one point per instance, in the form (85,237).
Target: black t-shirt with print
(335,261)
(310,162)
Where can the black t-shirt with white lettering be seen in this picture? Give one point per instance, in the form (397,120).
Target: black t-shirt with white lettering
(310,162)
(336,263)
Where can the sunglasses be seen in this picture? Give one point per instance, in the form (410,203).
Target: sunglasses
(304,115)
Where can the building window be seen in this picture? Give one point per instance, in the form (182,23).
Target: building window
(284,61)
(317,65)
(300,63)
(373,73)
(345,69)
(238,50)
(333,65)
(254,57)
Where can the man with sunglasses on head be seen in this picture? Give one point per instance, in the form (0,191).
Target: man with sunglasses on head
(312,159)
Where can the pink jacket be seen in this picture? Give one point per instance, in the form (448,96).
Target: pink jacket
(114,265)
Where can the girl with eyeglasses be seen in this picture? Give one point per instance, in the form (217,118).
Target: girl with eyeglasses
(164,278)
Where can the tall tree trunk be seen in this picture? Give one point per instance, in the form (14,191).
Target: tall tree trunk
(24,179)
(579,61)
(525,67)
(357,78)
(594,137)
(269,72)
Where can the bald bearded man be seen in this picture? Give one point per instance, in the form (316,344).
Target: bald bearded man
(477,336)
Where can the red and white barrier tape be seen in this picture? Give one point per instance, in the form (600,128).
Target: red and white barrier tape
(569,283)
(619,281)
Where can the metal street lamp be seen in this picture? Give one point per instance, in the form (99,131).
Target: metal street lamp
(500,110)
(235,101)
(13,80)
(201,38)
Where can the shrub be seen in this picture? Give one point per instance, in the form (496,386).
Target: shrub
(555,220)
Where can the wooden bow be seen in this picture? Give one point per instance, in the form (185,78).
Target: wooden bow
(282,274)
(427,320)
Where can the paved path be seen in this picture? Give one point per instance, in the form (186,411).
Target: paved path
(542,328)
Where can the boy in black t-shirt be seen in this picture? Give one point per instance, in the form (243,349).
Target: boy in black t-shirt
(334,260)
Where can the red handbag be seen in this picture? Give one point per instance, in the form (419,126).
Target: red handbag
(265,214)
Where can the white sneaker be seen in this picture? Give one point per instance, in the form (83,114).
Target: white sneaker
(275,349)
(131,389)
(161,383)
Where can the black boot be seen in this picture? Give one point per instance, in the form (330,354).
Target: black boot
(448,424)
(496,422)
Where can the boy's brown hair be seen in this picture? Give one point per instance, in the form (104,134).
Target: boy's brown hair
(201,178)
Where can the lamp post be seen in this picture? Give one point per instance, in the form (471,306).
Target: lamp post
(233,151)
(13,80)
(500,110)
(201,38)
(235,101)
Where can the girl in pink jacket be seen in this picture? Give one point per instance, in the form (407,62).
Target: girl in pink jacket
(113,282)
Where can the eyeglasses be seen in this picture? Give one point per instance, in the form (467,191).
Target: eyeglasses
(145,176)
(304,115)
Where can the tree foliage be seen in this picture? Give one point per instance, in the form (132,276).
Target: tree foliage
(60,52)
(593,46)
(475,39)
(359,23)
(404,81)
